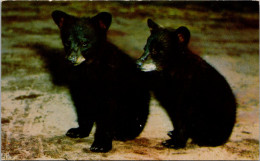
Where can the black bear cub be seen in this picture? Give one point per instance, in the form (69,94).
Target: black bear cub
(104,82)
(197,98)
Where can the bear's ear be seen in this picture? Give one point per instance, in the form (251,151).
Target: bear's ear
(102,20)
(152,25)
(183,35)
(60,17)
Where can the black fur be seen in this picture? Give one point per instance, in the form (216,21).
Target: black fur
(198,99)
(105,87)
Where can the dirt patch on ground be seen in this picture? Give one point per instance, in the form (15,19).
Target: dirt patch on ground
(36,109)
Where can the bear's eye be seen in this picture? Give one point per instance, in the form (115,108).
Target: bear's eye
(84,44)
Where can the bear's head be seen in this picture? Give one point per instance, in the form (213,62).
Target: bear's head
(82,37)
(162,46)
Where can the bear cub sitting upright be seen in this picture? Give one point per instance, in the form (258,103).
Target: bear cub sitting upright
(197,98)
(104,82)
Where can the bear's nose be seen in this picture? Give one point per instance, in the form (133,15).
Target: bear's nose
(139,63)
(72,58)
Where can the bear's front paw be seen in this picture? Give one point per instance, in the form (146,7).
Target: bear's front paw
(76,133)
(101,147)
(173,144)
